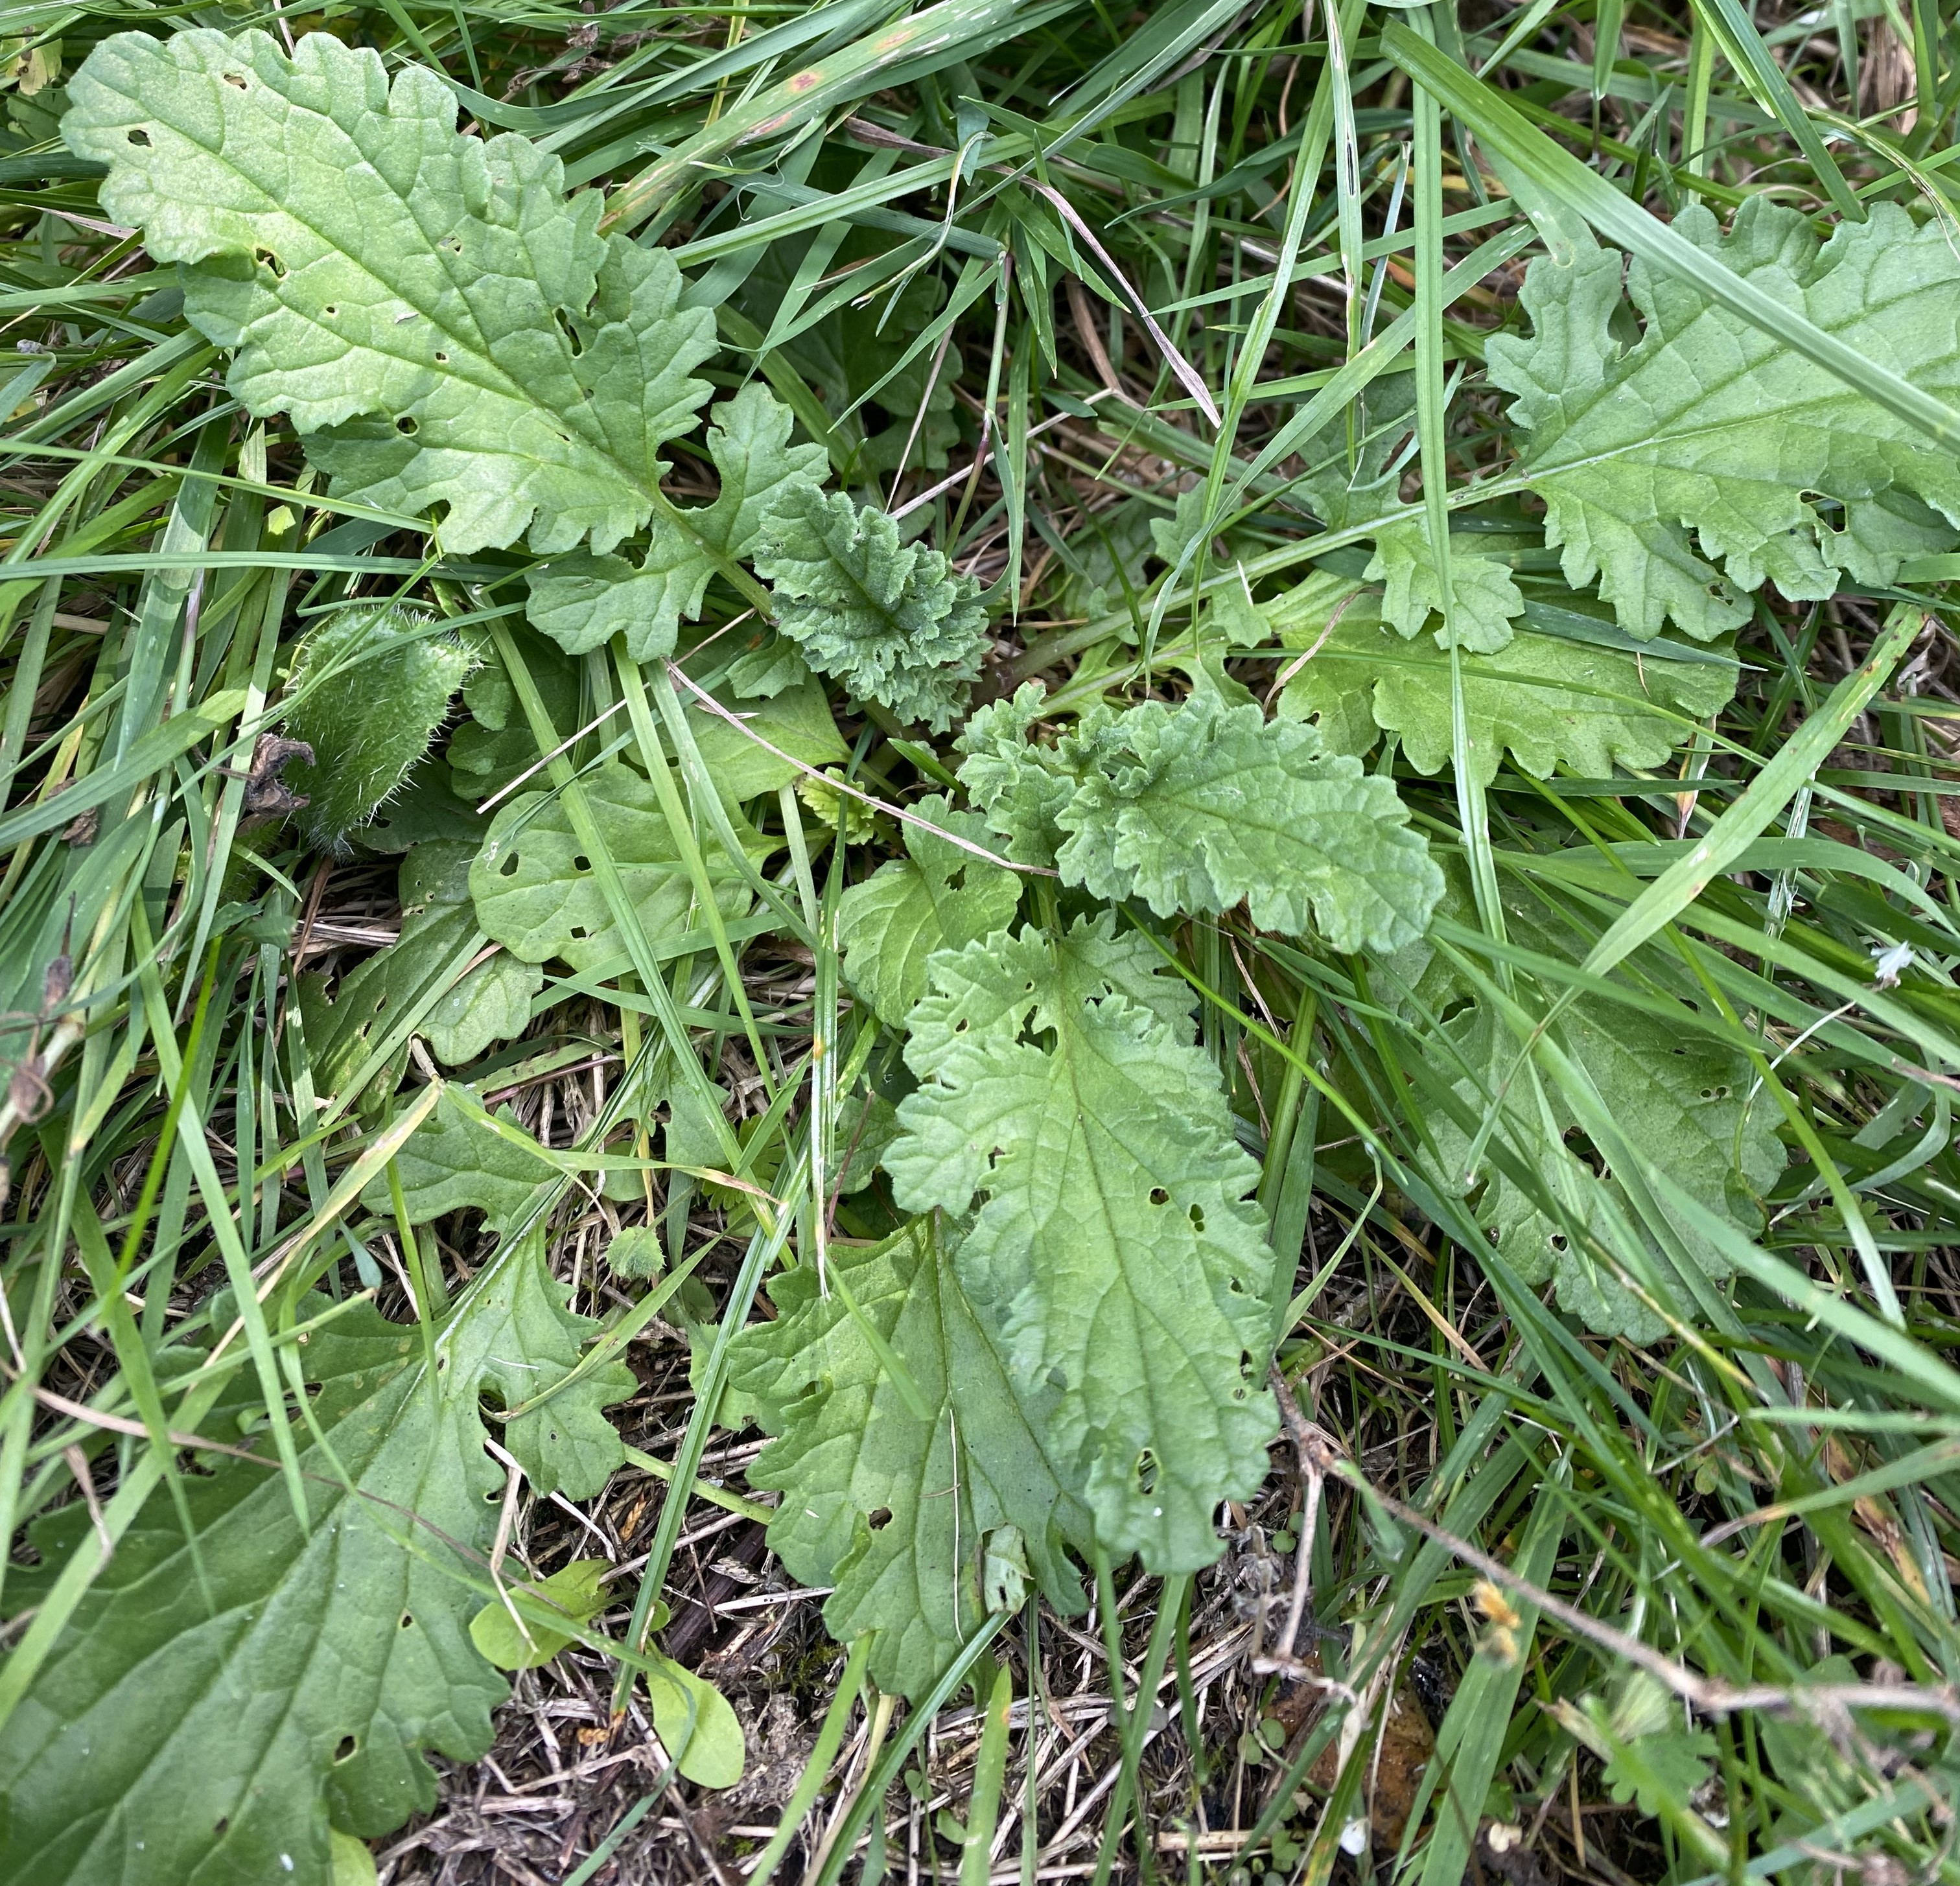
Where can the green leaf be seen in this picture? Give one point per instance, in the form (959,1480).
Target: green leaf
(581,601)
(888,619)
(1484,598)
(1020,787)
(937,897)
(1199,807)
(1547,701)
(352,1863)
(535,887)
(489,749)
(797,720)
(576,1591)
(371,688)
(454,1162)
(445,325)
(1684,1101)
(1662,1770)
(1707,458)
(492,1002)
(861,1475)
(207,1712)
(1115,1247)
(635,1252)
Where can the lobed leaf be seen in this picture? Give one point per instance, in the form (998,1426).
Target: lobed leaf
(1115,1248)
(1688,469)
(442,321)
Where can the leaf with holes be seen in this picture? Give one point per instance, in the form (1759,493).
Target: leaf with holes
(538,895)
(444,324)
(1685,470)
(939,896)
(859,1470)
(1115,1248)
(210,1713)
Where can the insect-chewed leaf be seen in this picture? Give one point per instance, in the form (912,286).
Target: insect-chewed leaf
(371,686)
(938,897)
(1709,431)
(891,1509)
(582,600)
(449,326)
(1116,1248)
(1202,807)
(208,1712)
(1549,701)
(536,891)
(888,619)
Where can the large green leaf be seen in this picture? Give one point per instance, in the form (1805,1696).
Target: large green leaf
(937,897)
(888,619)
(449,327)
(537,894)
(1202,807)
(893,1510)
(1549,701)
(1708,456)
(1115,1248)
(209,1711)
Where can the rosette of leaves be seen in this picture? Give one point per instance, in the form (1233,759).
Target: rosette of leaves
(457,341)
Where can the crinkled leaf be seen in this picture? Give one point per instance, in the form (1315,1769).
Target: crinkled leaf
(581,600)
(369,692)
(1548,701)
(861,1475)
(1708,456)
(448,326)
(888,619)
(1019,785)
(937,897)
(535,889)
(1202,807)
(204,1714)
(454,1162)
(1115,1245)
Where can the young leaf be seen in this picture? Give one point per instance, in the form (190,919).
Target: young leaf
(208,1712)
(1708,433)
(581,600)
(535,888)
(1548,701)
(859,1472)
(938,897)
(430,309)
(369,691)
(1199,807)
(578,1591)
(886,618)
(1115,1247)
